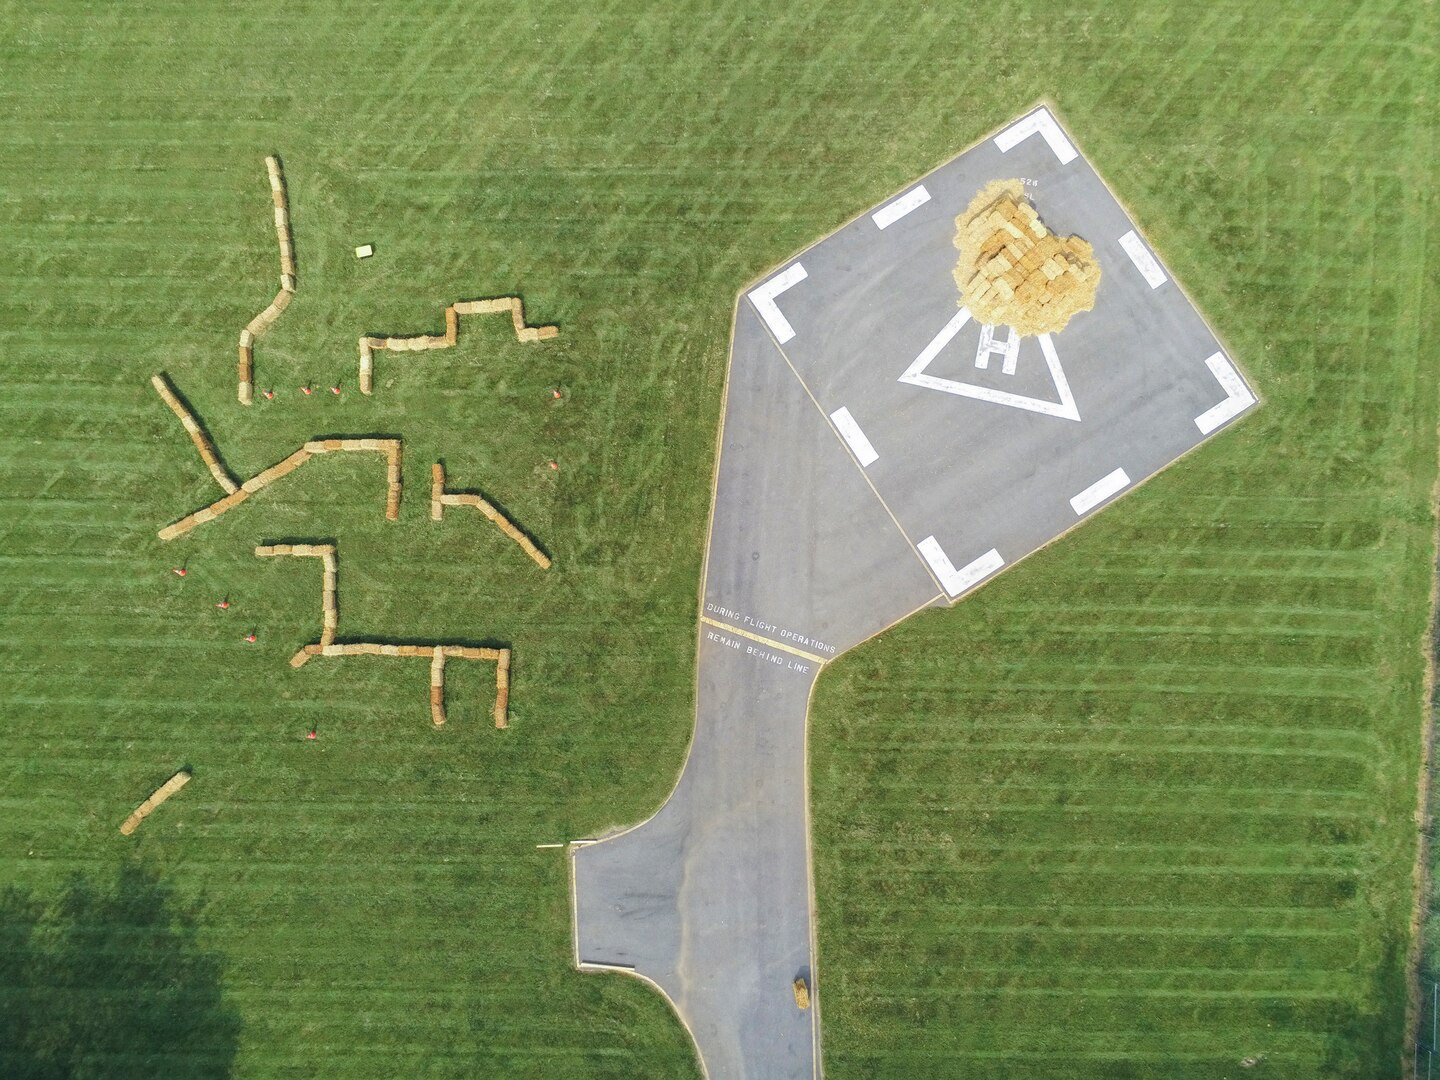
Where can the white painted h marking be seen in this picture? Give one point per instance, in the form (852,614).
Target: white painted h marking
(1009,350)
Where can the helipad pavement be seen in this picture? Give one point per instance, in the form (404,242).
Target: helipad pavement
(881,452)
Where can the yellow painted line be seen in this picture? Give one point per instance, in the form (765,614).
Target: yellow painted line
(762,640)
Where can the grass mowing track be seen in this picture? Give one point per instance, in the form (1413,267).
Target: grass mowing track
(1143,807)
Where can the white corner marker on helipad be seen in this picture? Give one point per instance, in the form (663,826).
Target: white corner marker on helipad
(968,576)
(1107,486)
(1042,123)
(854,438)
(892,212)
(1143,260)
(1238,397)
(763,297)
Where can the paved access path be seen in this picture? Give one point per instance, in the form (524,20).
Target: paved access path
(874,461)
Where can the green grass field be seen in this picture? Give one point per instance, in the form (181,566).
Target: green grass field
(1151,830)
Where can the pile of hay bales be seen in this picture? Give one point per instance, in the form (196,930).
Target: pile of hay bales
(158,796)
(262,322)
(198,435)
(391,448)
(1013,271)
(440,498)
(421,342)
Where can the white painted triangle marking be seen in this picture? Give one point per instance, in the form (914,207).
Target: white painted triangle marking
(915,375)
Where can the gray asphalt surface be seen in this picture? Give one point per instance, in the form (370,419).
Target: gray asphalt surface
(812,552)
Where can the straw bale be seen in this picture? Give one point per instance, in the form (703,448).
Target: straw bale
(437,667)
(333,650)
(287,280)
(452,325)
(245,392)
(205,516)
(545,333)
(158,796)
(802,994)
(483,307)
(389,650)
(331,444)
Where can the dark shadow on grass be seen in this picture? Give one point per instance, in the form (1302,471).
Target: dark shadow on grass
(109,980)
(386,639)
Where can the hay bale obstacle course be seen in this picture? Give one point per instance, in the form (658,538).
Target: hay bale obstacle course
(421,342)
(329,609)
(391,448)
(198,435)
(1013,271)
(262,322)
(440,498)
(438,654)
(158,796)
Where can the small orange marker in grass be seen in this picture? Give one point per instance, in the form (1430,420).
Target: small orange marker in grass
(306,391)
(223,604)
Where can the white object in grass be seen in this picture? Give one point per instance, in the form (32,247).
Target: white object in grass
(364,251)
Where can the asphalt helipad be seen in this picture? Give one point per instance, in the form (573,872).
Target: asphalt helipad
(881,452)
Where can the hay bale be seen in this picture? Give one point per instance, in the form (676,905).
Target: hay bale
(502,689)
(437,488)
(300,658)
(158,796)
(802,994)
